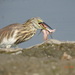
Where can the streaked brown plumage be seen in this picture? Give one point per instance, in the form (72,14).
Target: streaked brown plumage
(18,33)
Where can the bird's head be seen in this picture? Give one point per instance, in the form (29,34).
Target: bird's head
(40,24)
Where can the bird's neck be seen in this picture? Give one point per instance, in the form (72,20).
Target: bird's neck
(31,25)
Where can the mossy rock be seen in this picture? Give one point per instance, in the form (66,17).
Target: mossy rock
(47,58)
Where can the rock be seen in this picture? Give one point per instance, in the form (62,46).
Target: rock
(66,56)
(10,50)
(53,41)
(41,59)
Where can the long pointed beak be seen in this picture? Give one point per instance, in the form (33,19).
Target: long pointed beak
(47,25)
(46,29)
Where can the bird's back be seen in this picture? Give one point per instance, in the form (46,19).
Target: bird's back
(8,33)
(16,33)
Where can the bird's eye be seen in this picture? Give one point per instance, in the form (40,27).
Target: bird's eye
(41,24)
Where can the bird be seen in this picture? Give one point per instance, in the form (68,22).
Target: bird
(17,33)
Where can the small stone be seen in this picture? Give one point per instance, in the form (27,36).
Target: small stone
(35,74)
(66,56)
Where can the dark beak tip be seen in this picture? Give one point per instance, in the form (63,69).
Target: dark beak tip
(47,25)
